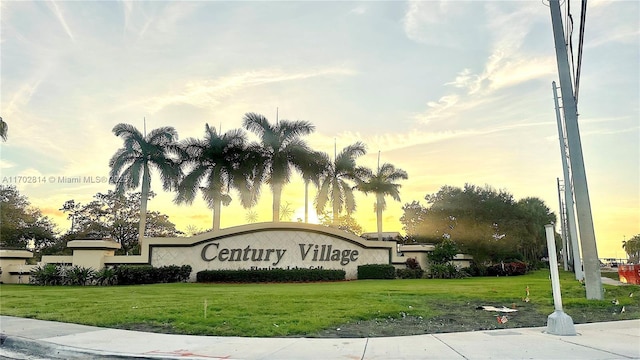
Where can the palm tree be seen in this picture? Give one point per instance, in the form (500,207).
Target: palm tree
(282,148)
(251,216)
(3,129)
(216,161)
(334,187)
(382,184)
(139,154)
(311,171)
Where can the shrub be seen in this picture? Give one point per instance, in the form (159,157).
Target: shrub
(172,273)
(413,270)
(477,269)
(49,274)
(465,272)
(443,271)
(106,276)
(147,274)
(376,271)
(412,264)
(409,273)
(507,269)
(135,274)
(78,275)
(273,275)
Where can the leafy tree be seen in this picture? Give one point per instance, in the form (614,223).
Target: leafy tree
(117,216)
(486,223)
(4,128)
(215,164)
(334,185)
(632,248)
(382,183)
(73,208)
(444,252)
(531,216)
(413,220)
(21,222)
(441,257)
(139,154)
(282,148)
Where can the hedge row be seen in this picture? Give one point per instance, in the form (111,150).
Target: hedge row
(376,271)
(147,274)
(410,273)
(507,269)
(273,275)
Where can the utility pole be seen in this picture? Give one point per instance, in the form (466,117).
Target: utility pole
(568,192)
(563,228)
(583,205)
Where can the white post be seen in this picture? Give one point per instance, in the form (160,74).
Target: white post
(568,193)
(558,323)
(593,281)
(553,266)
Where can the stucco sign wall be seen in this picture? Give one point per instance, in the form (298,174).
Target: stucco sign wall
(271,246)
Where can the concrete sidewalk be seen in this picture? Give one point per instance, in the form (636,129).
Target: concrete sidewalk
(36,339)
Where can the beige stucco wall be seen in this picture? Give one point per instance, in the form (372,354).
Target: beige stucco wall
(14,268)
(287,246)
(256,246)
(86,253)
(418,252)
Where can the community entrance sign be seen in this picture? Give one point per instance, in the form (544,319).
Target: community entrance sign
(259,246)
(271,246)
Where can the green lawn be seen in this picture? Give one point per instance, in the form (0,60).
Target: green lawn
(300,309)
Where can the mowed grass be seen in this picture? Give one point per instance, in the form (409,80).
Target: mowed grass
(298,309)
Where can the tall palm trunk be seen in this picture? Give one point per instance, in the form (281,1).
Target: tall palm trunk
(217,206)
(379,200)
(336,202)
(306,201)
(277,194)
(146,182)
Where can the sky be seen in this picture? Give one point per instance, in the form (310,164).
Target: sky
(453,92)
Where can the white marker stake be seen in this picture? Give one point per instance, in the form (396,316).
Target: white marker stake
(558,323)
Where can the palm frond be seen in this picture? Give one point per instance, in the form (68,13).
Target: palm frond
(349,199)
(256,123)
(292,130)
(323,195)
(4,129)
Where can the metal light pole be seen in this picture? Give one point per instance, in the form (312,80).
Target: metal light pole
(568,192)
(583,205)
(563,229)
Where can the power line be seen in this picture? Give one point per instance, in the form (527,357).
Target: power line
(583,15)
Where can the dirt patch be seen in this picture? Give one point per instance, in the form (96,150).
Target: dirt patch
(452,318)
(467,317)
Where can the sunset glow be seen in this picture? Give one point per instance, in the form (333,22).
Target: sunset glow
(451,92)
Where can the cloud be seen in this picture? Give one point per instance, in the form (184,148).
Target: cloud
(358,10)
(210,92)
(424,22)
(509,64)
(58,13)
(607,22)
(398,141)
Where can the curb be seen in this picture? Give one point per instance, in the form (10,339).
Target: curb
(46,350)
